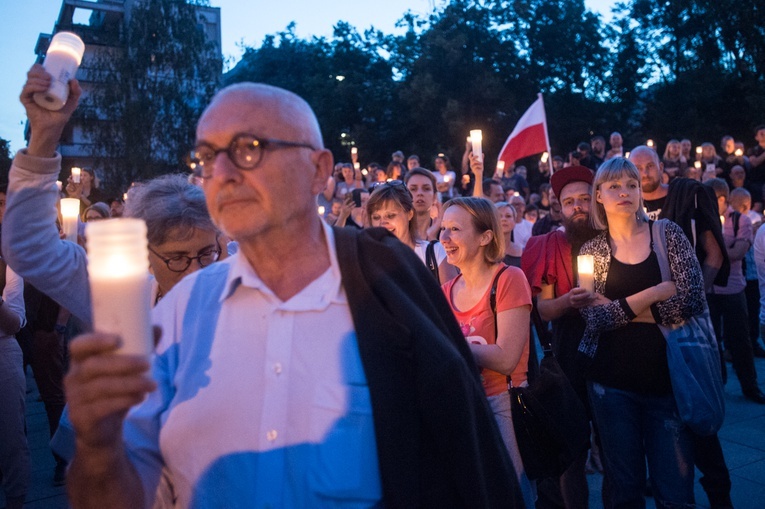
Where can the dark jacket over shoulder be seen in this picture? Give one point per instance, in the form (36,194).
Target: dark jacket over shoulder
(437,441)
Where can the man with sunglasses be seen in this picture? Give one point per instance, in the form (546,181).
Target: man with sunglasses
(317,367)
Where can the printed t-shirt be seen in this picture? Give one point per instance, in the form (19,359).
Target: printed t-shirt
(477,323)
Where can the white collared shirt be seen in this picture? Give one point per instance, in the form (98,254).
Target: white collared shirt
(275,409)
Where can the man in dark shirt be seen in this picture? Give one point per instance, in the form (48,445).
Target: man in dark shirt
(549,264)
(757,161)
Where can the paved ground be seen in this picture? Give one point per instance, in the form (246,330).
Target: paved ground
(742,437)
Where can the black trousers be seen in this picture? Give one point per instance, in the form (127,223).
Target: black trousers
(731,323)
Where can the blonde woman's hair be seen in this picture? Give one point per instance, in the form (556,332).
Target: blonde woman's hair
(485,217)
(613,169)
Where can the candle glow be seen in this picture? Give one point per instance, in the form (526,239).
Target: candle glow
(70,211)
(586,269)
(76,173)
(118,269)
(476,137)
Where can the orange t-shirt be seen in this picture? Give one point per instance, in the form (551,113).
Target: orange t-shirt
(477,323)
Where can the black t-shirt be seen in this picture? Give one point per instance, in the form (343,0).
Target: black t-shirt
(634,357)
(757,173)
(654,210)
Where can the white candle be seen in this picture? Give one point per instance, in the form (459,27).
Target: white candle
(356,165)
(120,288)
(354,151)
(500,166)
(697,165)
(76,173)
(722,220)
(586,269)
(649,143)
(59,185)
(62,59)
(364,172)
(698,150)
(70,211)
(739,152)
(124,196)
(545,157)
(476,136)
(321,210)
(626,155)
(446,178)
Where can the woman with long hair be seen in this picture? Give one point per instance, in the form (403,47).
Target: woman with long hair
(628,378)
(507,222)
(674,161)
(390,206)
(499,337)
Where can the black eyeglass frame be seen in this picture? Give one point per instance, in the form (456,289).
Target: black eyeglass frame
(217,250)
(262,144)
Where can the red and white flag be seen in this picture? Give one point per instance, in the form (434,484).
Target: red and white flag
(529,136)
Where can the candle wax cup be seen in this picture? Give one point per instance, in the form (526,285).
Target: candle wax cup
(121,305)
(62,66)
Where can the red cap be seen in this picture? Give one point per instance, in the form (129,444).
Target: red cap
(565,176)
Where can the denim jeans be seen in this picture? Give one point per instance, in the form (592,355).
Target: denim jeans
(15,460)
(634,427)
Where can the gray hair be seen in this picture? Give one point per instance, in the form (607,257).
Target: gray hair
(613,169)
(170,205)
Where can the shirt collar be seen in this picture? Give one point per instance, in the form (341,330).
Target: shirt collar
(317,295)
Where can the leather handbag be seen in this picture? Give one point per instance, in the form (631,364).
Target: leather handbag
(551,424)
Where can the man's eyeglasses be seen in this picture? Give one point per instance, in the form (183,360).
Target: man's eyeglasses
(182,262)
(245,151)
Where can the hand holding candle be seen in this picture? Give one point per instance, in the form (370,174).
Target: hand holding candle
(118,269)
(476,137)
(586,271)
(62,59)
(76,174)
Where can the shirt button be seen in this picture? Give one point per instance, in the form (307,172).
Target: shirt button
(271,435)
(278,368)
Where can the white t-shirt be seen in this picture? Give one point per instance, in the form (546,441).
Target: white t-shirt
(447,177)
(421,247)
(522,232)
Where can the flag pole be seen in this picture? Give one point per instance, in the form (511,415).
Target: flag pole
(547,135)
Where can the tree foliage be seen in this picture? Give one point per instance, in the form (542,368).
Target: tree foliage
(5,160)
(149,96)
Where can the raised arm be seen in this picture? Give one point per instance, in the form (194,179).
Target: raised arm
(31,243)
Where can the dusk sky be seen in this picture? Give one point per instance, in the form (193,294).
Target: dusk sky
(243,21)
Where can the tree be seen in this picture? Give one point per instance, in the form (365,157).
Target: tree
(149,93)
(5,159)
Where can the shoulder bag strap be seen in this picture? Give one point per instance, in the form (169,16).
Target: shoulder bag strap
(430,259)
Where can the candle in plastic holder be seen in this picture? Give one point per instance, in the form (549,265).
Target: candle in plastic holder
(70,211)
(738,152)
(76,173)
(545,157)
(120,289)
(354,151)
(62,60)
(59,185)
(649,143)
(500,166)
(476,137)
(586,270)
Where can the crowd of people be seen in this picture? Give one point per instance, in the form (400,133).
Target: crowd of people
(319,360)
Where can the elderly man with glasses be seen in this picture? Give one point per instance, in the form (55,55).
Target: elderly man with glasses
(317,367)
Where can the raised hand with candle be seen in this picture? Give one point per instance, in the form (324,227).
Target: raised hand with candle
(46,126)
